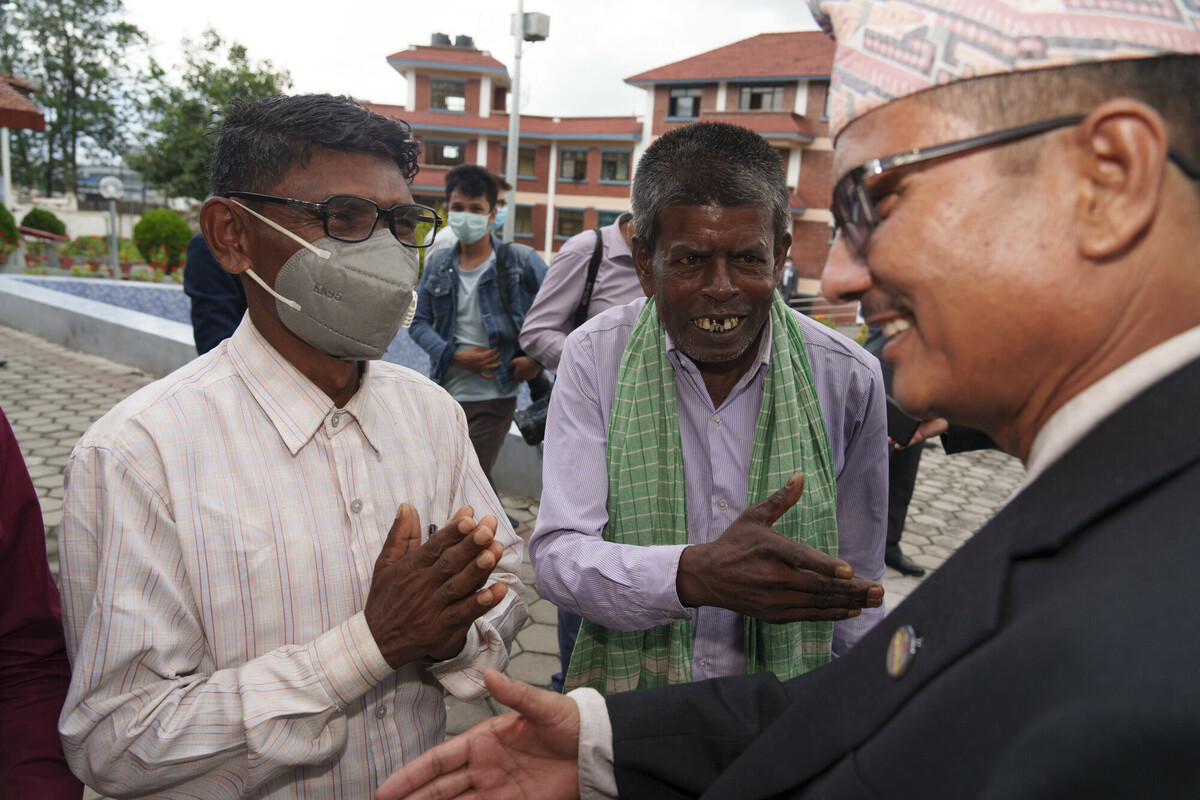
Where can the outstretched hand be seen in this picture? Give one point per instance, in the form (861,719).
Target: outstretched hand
(530,753)
(756,571)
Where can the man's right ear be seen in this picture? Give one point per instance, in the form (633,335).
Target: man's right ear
(224,229)
(642,266)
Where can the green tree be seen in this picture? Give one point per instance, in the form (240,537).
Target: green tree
(183,116)
(78,51)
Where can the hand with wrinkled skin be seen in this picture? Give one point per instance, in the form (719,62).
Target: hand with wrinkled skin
(524,368)
(530,753)
(483,361)
(424,597)
(761,573)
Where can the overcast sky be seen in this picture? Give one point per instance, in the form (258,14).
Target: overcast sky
(342,47)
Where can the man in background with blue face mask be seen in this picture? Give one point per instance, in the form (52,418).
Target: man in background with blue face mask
(249,604)
(469,312)
(446,238)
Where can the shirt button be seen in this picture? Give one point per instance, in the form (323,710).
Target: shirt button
(335,420)
(356,505)
(717,420)
(703,663)
(381,711)
(722,505)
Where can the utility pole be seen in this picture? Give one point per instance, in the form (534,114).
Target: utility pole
(531,28)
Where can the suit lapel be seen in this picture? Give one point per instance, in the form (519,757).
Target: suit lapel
(838,708)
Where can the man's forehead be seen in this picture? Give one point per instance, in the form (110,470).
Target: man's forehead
(685,221)
(325,171)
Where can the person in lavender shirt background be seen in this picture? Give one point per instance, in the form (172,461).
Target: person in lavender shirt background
(551,318)
(711,235)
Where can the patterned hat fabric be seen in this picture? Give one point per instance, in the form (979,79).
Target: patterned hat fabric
(889,49)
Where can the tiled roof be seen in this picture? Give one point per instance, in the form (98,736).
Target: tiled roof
(770,124)
(467,58)
(768,55)
(618,128)
(16,110)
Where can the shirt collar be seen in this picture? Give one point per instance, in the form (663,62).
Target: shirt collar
(1090,407)
(614,243)
(292,402)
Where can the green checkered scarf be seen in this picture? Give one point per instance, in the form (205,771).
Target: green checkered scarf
(647,504)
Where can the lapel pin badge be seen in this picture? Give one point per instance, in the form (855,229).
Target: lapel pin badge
(902,649)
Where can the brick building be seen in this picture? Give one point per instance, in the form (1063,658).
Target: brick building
(573,173)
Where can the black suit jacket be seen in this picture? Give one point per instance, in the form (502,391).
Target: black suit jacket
(1060,655)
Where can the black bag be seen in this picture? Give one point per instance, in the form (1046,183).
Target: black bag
(531,420)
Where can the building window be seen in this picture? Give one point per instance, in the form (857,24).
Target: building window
(523,221)
(614,167)
(444,154)
(526,157)
(761,98)
(685,102)
(573,165)
(608,218)
(570,222)
(448,95)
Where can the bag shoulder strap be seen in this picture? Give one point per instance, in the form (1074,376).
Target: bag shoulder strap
(593,270)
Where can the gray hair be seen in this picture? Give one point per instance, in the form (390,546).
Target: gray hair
(708,164)
(261,139)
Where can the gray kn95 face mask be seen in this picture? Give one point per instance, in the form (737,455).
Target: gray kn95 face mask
(345,299)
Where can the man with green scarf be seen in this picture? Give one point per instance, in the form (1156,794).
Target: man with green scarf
(715,476)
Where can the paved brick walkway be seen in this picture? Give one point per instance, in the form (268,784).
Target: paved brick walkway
(51,395)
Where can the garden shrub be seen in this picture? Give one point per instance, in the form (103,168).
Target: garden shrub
(162,233)
(90,248)
(42,220)
(8,231)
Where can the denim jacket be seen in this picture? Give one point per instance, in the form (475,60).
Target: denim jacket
(437,307)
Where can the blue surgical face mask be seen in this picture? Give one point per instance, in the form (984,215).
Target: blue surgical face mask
(501,215)
(468,227)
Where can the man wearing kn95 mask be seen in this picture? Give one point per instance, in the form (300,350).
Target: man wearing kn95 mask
(472,303)
(252,603)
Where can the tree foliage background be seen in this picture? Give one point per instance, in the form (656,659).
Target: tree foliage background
(79,52)
(100,106)
(181,116)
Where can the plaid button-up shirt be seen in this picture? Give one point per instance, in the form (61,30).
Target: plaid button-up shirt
(220,529)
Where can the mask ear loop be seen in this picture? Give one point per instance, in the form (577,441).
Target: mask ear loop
(287,302)
(320,252)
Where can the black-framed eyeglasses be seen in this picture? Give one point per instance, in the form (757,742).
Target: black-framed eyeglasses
(854,211)
(350,218)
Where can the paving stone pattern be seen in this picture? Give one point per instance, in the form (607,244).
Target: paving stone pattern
(51,395)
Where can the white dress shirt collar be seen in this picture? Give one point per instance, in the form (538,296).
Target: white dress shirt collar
(1090,407)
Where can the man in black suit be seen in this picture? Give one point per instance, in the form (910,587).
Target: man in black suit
(1036,273)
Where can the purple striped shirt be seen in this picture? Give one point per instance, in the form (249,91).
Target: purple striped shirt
(627,587)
